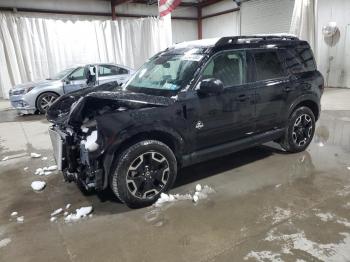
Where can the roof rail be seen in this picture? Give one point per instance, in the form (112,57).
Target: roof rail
(252,39)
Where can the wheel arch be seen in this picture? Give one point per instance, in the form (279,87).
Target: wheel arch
(165,135)
(47,91)
(309,102)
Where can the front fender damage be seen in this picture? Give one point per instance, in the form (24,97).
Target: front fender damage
(86,122)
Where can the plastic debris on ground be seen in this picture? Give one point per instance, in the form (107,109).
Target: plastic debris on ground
(200,193)
(26,168)
(38,185)
(15,213)
(68,206)
(79,213)
(56,212)
(90,142)
(35,155)
(53,219)
(20,219)
(44,158)
(45,171)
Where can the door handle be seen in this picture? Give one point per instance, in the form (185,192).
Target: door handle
(242,98)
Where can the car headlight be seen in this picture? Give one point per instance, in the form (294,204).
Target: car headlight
(21,91)
(28,89)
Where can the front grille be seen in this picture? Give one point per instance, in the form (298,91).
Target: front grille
(57,146)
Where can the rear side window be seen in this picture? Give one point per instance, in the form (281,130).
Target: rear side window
(300,60)
(268,66)
(110,70)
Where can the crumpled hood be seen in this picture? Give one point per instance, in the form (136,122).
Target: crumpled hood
(73,108)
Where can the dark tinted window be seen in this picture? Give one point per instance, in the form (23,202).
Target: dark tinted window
(300,60)
(268,66)
(123,71)
(229,67)
(110,70)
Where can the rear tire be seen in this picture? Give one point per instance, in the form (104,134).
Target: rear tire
(300,130)
(143,171)
(45,100)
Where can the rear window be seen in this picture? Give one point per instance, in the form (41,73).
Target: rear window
(268,66)
(300,60)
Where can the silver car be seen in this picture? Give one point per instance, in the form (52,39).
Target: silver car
(34,97)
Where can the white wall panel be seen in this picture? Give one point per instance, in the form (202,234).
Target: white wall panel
(266,16)
(184,30)
(219,7)
(222,25)
(333,59)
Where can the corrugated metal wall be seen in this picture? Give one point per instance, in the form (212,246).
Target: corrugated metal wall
(266,16)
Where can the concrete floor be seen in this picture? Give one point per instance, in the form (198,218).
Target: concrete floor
(268,206)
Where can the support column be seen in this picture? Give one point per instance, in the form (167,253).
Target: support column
(199,21)
(113,5)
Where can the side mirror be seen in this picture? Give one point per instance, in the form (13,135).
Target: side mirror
(210,86)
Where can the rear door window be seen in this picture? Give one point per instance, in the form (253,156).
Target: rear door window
(268,66)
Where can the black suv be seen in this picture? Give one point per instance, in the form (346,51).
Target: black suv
(192,102)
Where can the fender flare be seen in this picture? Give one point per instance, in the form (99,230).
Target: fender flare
(304,98)
(140,132)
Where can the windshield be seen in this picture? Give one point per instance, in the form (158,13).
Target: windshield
(166,72)
(61,74)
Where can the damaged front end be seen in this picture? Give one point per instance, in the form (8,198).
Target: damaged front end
(86,125)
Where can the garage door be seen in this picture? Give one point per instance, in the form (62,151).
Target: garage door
(266,16)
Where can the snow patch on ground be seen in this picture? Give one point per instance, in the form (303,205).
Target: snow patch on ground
(90,142)
(280,214)
(35,155)
(263,256)
(38,185)
(327,217)
(15,213)
(44,158)
(68,206)
(200,193)
(4,242)
(20,219)
(26,168)
(5,158)
(344,192)
(337,252)
(80,213)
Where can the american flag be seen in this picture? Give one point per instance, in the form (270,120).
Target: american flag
(167,6)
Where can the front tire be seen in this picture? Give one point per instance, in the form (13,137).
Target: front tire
(45,100)
(143,171)
(300,130)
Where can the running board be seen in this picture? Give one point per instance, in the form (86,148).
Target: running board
(231,147)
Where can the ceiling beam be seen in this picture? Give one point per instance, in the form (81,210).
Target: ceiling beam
(181,4)
(205,3)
